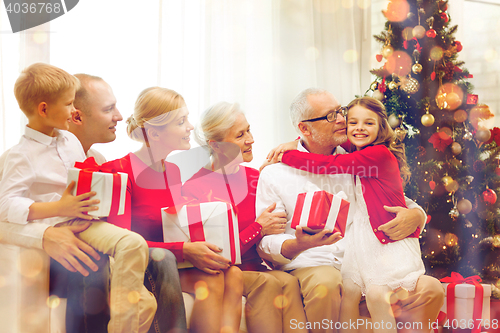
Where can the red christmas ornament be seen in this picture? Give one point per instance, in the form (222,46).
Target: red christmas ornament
(489,197)
(444,17)
(433,76)
(495,136)
(472,99)
(428,219)
(379,57)
(432,185)
(431,33)
(458,45)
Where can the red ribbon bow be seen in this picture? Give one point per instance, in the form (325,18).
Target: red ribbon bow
(455,279)
(88,167)
(91,165)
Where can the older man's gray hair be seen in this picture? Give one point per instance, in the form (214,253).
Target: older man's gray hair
(300,108)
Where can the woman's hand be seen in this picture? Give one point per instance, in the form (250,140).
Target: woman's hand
(272,223)
(204,256)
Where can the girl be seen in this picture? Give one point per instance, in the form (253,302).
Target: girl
(373,265)
(160,122)
(273,297)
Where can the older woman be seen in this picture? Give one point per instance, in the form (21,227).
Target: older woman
(273,297)
(160,122)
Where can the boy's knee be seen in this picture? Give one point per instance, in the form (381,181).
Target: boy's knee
(133,242)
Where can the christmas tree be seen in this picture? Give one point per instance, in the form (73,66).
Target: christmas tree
(453,159)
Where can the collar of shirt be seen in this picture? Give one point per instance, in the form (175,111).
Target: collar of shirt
(42,138)
(338,149)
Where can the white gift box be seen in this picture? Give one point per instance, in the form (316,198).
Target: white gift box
(110,188)
(464,301)
(213,222)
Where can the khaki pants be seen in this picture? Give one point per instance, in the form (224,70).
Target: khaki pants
(321,289)
(273,301)
(132,307)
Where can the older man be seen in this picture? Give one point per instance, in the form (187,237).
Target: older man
(316,259)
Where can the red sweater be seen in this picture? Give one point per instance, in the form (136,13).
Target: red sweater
(207,186)
(378,171)
(147,192)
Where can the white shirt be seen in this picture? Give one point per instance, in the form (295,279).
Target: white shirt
(99,158)
(281,183)
(35,169)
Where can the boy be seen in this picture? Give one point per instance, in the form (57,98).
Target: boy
(33,187)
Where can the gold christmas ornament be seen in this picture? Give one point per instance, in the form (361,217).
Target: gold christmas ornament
(374,86)
(378,95)
(418,31)
(456,148)
(441,101)
(410,85)
(451,239)
(460,116)
(452,186)
(483,135)
(453,100)
(392,85)
(387,51)
(394,121)
(464,206)
(449,96)
(417,68)
(400,133)
(427,120)
(446,180)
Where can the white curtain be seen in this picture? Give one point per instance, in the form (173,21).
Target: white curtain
(258,53)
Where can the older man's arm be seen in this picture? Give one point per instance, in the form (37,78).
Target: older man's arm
(405,223)
(280,249)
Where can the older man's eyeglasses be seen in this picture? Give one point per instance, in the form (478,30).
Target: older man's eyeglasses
(330,116)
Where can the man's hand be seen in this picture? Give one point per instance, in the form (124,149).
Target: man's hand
(272,223)
(304,241)
(62,245)
(404,224)
(204,256)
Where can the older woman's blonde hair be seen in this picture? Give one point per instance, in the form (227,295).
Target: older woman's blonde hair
(385,135)
(215,122)
(155,107)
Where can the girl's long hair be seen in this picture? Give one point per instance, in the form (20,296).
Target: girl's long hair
(385,134)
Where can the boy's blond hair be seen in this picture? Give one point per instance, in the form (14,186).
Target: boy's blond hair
(41,83)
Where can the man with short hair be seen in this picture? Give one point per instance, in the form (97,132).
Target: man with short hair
(96,114)
(316,259)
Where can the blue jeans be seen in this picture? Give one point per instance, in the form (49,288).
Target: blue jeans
(162,279)
(87,297)
(87,309)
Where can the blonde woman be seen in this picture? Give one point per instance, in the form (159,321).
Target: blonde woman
(160,122)
(273,297)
